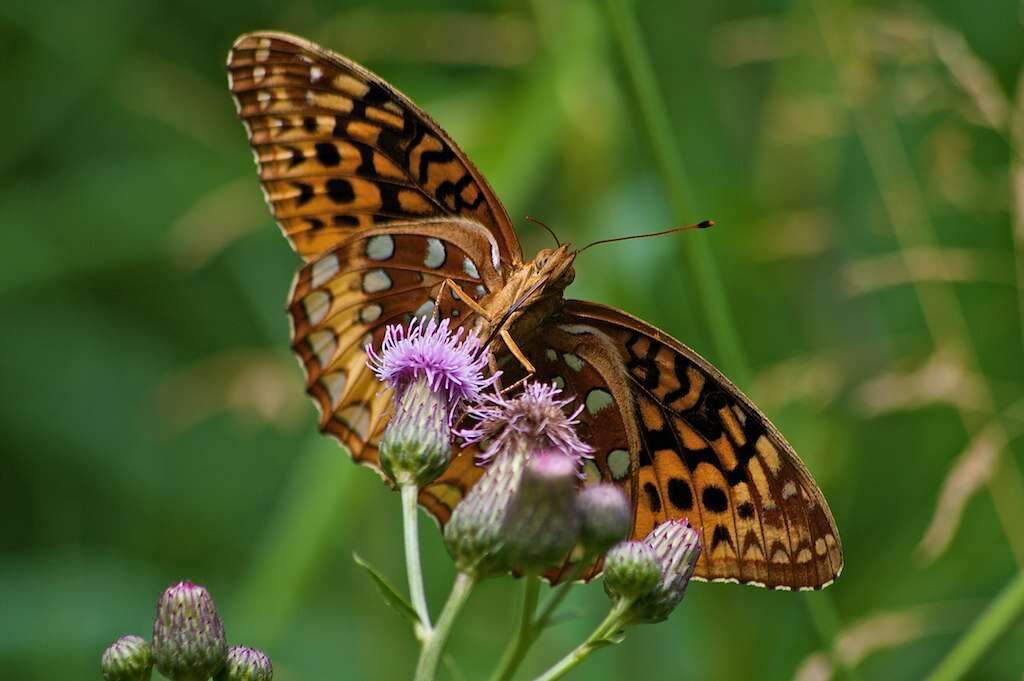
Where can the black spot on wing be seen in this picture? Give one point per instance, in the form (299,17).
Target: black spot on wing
(653,498)
(327,154)
(714,499)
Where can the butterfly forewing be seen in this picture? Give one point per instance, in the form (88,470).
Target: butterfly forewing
(339,149)
(381,204)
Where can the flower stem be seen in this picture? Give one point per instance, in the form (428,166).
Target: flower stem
(434,643)
(1007,608)
(613,622)
(526,633)
(412,557)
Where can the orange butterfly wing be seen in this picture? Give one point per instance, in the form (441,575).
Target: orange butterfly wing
(378,201)
(685,442)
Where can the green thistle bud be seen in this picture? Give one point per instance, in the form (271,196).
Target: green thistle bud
(678,547)
(416,446)
(246,664)
(607,517)
(543,523)
(473,534)
(129,658)
(188,635)
(631,570)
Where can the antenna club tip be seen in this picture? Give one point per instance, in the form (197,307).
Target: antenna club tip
(704,224)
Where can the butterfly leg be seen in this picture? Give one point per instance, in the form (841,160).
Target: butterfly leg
(457,293)
(516,351)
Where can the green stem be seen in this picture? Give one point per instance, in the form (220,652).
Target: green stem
(434,643)
(613,622)
(413,566)
(525,635)
(1007,608)
(721,323)
(560,594)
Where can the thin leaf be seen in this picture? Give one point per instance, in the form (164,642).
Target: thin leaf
(391,596)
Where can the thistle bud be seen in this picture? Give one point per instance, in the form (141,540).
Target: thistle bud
(246,664)
(514,429)
(188,635)
(129,658)
(416,446)
(607,518)
(543,523)
(473,535)
(631,570)
(432,371)
(677,546)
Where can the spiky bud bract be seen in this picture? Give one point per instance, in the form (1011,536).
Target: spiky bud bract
(129,658)
(246,664)
(677,545)
(188,635)
(631,570)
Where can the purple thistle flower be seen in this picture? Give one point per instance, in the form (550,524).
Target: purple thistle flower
(535,418)
(432,371)
(450,362)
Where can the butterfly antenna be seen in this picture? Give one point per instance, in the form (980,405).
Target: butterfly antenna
(550,231)
(704,224)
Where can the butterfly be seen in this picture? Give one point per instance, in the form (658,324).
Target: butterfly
(392,221)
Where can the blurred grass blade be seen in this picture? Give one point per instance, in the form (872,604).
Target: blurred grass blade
(1004,611)
(390,594)
(307,522)
(677,187)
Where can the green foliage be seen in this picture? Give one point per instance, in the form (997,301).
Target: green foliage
(390,594)
(862,164)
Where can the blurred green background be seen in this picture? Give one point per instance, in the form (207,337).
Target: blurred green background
(862,161)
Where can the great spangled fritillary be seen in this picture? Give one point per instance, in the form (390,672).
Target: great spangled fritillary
(384,208)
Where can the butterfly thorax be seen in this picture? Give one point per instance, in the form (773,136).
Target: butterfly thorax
(533,293)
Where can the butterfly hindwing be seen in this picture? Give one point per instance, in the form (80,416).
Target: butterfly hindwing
(343,301)
(700,449)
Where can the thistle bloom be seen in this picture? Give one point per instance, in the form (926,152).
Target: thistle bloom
(246,664)
(188,635)
(606,516)
(533,419)
(677,546)
(543,522)
(129,658)
(515,429)
(432,371)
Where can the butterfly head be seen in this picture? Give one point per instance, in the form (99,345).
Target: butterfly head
(553,266)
